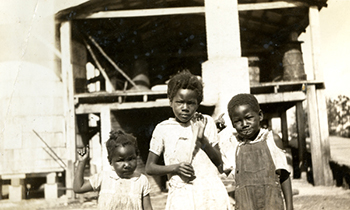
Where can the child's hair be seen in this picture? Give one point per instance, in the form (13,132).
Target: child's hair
(185,80)
(119,138)
(243,99)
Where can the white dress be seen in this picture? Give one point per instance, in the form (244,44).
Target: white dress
(120,193)
(175,141)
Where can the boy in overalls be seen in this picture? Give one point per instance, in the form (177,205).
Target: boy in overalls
(261,169)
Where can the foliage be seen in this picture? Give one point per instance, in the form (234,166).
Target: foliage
(338,111)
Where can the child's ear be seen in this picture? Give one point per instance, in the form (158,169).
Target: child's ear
(261,115)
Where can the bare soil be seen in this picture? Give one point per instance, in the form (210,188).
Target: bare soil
(308,197)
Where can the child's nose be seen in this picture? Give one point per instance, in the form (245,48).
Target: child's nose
(185,106)
(126,165)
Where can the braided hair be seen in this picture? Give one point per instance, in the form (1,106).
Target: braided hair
(119,139)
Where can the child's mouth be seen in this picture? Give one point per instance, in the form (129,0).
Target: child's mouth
(246,132)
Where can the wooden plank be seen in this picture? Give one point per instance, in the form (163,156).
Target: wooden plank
(145,12)
(271,5)
(95,108)
(13,176)
(281,97)
(315,143)
(187,10)
(320,149)
(68,85)
(288,83)
(324,133)
(119,93)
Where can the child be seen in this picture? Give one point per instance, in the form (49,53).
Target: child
(187,144)
(261,168)
(122,188)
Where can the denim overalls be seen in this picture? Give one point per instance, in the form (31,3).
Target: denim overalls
(257,184)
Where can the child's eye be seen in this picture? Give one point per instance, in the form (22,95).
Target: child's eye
(131,158)
(236,122)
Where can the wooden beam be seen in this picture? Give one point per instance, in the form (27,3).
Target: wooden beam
(315,41)
(95,108)
(320,148)
(281,97)
(120,93)
(109,86)
(187,10)
(300,122)
(271,5)
(112,62)
(106,127)
(145,12)
(68,98)
(284,129)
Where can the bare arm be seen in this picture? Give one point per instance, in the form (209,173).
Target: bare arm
(79,184)
(212,152)
(146,203)
(286,186)
(153,168)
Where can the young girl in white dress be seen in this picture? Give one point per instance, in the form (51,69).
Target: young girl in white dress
(122,188)
(187,144)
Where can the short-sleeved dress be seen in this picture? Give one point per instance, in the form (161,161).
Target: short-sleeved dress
(120,193)
(206,191)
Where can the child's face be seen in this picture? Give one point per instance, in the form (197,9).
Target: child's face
(184,105)
(246,121)
(124,160)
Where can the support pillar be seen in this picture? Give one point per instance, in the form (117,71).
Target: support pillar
(51,186)
(17,187)
(68,97)
(226,73)
(105,118)
(284,129)
(320,148)
(300,120)
(224,78)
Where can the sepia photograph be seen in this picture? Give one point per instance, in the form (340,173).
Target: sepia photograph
(174,104)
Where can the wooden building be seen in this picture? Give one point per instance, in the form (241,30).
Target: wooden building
(98,65)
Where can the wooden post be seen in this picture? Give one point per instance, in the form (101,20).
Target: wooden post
(68,98)
(284,129)
(320,149)
(105,118)
(301,138)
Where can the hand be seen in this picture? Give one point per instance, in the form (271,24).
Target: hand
(220,123)
(200,122)
(83,153)
(185,171)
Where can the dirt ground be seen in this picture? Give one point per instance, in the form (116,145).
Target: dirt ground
(308,197)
